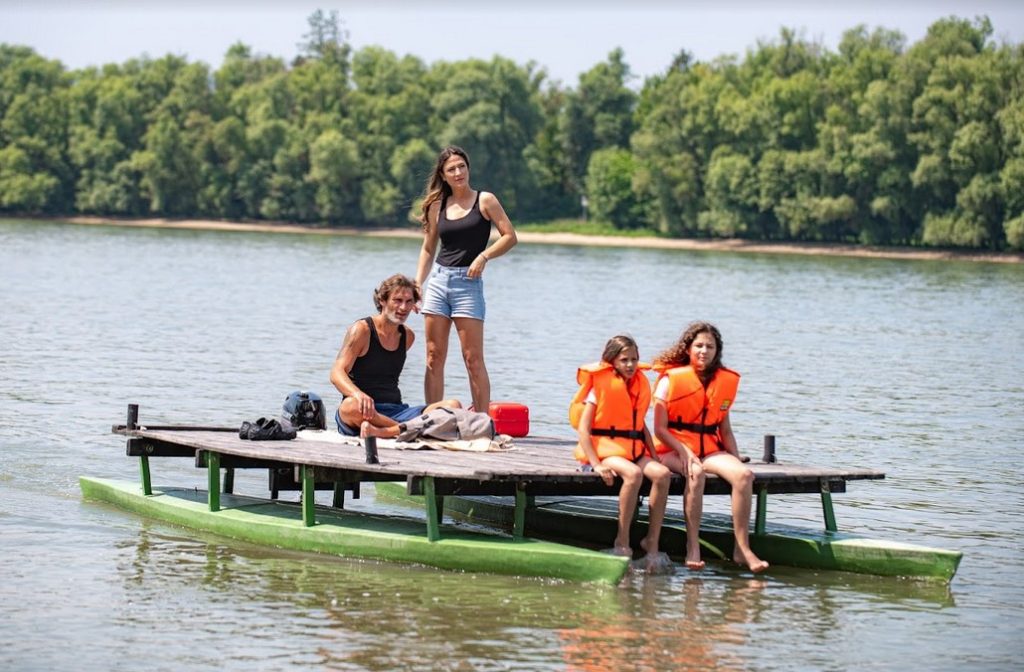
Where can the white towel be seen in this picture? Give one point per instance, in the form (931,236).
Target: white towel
(500,442)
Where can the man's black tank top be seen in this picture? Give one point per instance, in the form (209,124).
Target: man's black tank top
(464,238)
(376,373)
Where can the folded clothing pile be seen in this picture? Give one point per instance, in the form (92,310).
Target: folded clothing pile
(266,430)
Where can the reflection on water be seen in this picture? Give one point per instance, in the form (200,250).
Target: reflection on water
(341,608)
(901,366)
(680,634)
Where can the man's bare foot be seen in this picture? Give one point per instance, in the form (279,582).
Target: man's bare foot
(368,429)
(749,560)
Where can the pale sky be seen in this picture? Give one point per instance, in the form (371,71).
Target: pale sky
(566,37)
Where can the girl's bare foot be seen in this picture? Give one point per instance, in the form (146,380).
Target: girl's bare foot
(694,565)
(622,551)
(749,560)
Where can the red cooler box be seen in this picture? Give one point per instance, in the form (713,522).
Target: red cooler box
(510,418)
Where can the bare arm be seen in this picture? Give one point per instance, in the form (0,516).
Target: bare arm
(355,345)
(728,438)
(664,435)
(586,422)
(491,208)
(649,444)
(429,248)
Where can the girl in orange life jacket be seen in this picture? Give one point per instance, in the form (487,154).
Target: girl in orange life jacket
(692,399)
(619,397)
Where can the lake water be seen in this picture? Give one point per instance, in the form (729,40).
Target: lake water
(912,367)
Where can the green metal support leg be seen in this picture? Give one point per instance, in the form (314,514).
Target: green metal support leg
(433,515)
(147,485)
(308,497)
(761,519)
(826,507)
(519,522)
(213,480)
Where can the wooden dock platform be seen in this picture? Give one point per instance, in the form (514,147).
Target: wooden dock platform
(537,466)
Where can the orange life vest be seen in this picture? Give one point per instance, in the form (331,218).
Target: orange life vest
(618,426)
(695,412)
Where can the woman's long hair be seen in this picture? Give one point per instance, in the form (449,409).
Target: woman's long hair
(437,189)
(679,353)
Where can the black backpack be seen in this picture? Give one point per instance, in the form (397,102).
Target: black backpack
(305,410)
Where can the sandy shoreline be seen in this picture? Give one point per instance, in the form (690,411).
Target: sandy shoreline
(730,245)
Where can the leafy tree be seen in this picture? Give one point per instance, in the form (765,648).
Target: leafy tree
(610,188)
(327,39)
(334,167)
(598,114)
(491,109)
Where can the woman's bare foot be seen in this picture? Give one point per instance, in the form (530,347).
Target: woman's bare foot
(749,560)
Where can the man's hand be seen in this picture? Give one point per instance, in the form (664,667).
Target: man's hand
(366,407)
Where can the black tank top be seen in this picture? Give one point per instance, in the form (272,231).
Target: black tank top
(376,373)
(464,238)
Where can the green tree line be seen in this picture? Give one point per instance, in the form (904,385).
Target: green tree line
(877,142)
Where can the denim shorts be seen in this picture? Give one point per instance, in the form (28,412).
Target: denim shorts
(450,292)
(397,412)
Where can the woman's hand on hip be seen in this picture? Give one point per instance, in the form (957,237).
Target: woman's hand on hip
(476,269)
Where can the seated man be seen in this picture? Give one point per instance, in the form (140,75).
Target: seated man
(371,359)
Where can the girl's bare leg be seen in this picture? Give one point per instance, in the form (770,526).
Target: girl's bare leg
(658,474)
(631,477)
(693,507)
(742,481)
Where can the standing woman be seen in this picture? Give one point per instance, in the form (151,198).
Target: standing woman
(461,218)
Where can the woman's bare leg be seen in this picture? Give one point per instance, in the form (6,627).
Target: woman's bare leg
(742,481)
(438,328)
(471,335)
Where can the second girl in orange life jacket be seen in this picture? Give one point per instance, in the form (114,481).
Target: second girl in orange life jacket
(608,412)
(695,411)
(692,401)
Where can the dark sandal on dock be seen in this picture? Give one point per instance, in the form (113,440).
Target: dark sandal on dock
(269,430)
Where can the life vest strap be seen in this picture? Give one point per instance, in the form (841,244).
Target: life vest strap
(693,427)
(617,433)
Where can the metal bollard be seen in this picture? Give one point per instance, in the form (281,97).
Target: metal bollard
(769,449)
(370,443)
(133,416)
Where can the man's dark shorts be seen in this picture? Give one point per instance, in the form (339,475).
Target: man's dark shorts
(397,412)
